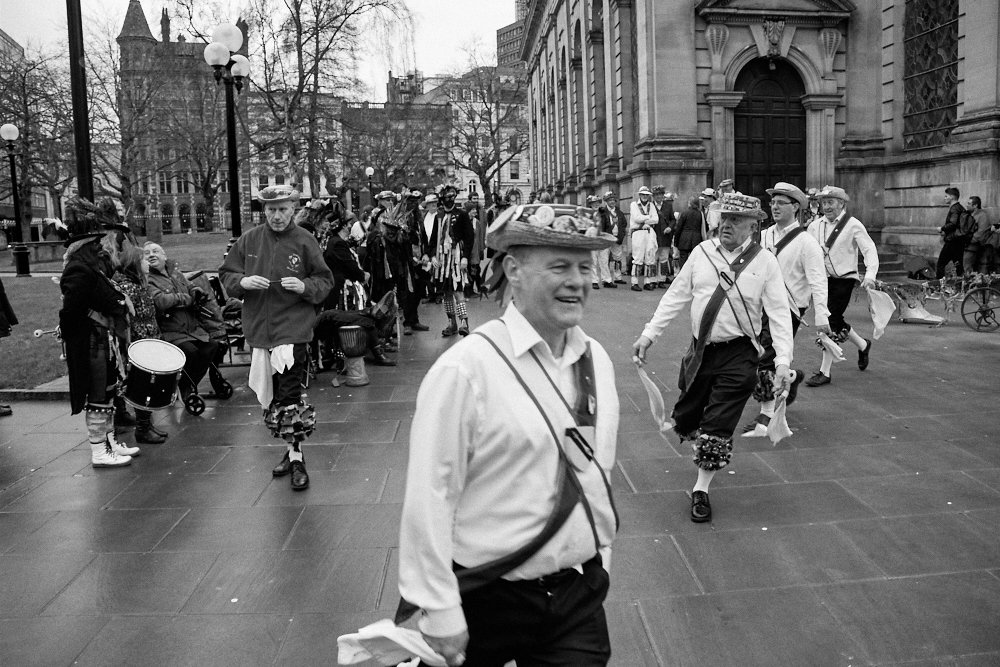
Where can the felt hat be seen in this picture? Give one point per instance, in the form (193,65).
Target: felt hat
(593,199)
(610,195)
(644,190)
(659,189)
(833,192)
(90,221)
(552,225)
(726,183)
(708,192)
(789,190)
(743,206)
(274,194)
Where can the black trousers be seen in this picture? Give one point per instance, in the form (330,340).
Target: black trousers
(288,385)
(555,621)
(767,359)
(198,355)
(953,251)
(720,390)
(838,298)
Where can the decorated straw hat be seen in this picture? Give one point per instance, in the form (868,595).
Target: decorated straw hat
(278,193)
(743,206)
(726,183)
(559,225)
(833,192)
(644,190)
(789,190)
(610,195)
(415,194)
(386,194)
(431,198)
(708,192)
(593,199)
(659,189)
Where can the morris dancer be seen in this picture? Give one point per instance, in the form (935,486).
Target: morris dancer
(452,239)
(643,218)
(730,283)
(613,219)
(801,262)
(841,237)
(278,270)
(92,320)
(663,201)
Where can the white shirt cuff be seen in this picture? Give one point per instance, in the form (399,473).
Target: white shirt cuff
(443,622)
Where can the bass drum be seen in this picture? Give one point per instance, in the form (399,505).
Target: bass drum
(154,367)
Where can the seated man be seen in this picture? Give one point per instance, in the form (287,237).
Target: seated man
(177,302)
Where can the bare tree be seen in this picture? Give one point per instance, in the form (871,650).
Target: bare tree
(488,125)
(34,91)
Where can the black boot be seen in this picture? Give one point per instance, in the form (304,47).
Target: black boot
(283,468)
(123,419)
(300,478)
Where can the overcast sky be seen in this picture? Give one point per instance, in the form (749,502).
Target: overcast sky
(442,29)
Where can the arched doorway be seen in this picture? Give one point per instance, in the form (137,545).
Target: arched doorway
(769,127)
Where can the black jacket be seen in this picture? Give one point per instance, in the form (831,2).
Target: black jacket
(344,264)
(7,317)
(687,233)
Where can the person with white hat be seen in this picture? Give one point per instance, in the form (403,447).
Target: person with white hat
(278,270)
(643,218)
(730,284)
(841,237)
(508,515)
(710,212)
(801,262)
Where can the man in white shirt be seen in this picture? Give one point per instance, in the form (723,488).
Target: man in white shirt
(729,282)
(504,421)
(642,220)
(801,262)
(841,237)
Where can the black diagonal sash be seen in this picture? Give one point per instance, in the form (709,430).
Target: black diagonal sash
(839,227)
(692,358)
(788,238)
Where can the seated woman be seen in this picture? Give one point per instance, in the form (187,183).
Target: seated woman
(176,302)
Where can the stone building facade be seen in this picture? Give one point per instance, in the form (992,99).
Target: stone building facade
(894,100)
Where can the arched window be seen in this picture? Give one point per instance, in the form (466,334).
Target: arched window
(930,72)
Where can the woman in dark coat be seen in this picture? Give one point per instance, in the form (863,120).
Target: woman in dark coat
(91,321)
(687,234)
(7,320)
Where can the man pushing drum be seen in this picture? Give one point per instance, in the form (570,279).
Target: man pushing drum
(277,269)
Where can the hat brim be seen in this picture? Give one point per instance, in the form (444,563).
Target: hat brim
(80,237)
(759,214)
(515,233)
(802,199)
(843,198)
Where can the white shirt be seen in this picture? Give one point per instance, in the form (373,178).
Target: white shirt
(359,233)
(841,260)
(483,465)
(761,286)
(640,216)
(801,263)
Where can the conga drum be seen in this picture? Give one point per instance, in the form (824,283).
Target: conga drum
(353,341)
(154,367)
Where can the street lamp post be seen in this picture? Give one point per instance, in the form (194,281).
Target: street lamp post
(230,68)
(10,133)
(369,172)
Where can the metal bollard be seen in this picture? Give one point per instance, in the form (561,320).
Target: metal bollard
(22,259)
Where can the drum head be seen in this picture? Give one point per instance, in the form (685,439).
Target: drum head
(156,356)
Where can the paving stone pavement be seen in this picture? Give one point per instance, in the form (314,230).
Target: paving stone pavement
(870,537)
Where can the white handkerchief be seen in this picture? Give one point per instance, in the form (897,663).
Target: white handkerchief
(881,306)
(656,404)
(831,347)
(778,429)
(387,643)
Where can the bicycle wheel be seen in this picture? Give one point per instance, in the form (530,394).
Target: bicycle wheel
(981,309)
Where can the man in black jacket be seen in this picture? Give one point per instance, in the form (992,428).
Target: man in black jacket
(613,222)
(954,242)
(7,320)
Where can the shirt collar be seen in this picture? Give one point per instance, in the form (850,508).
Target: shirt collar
(523,337)
(735,253)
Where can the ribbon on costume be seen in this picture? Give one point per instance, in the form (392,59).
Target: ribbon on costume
(656,405)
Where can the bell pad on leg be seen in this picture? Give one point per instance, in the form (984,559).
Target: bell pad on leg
(292,423)
(712,452)
(763,391)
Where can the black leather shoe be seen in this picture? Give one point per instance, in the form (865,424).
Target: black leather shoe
(649,287)
(300,478)
(701,510)
(611,285)
(162,434)
(818,380)
(419,327)
(380,359)
(636,288)
(282,468)
(863,355)
(147,436)
(793,390)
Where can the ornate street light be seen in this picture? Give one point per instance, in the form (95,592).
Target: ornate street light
(9,133)
(230,69)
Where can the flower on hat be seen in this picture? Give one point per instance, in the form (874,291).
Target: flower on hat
(731,203)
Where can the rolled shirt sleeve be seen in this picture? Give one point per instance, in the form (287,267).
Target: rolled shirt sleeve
(775,304)
(812,259)
(868,251)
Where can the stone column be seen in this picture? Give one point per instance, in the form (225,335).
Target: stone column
(580,127)
(625,39)
(724,103)
(980,91)
(598,98)
(820,136)
(863,133)
(610,166)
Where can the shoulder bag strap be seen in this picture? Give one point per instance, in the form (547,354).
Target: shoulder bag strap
(788,238)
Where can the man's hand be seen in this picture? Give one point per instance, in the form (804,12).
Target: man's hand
(435,263)
(452,649)
(639,348)
(254,282)
(824,328)
(868,283)
(293,284)
(782,378)
(464,264)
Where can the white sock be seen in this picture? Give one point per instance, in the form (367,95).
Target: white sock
(826,364)
(294,454)
(704,479)
(853,336)
(767,408)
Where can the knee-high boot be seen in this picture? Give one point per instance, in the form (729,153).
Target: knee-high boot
(102,453)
